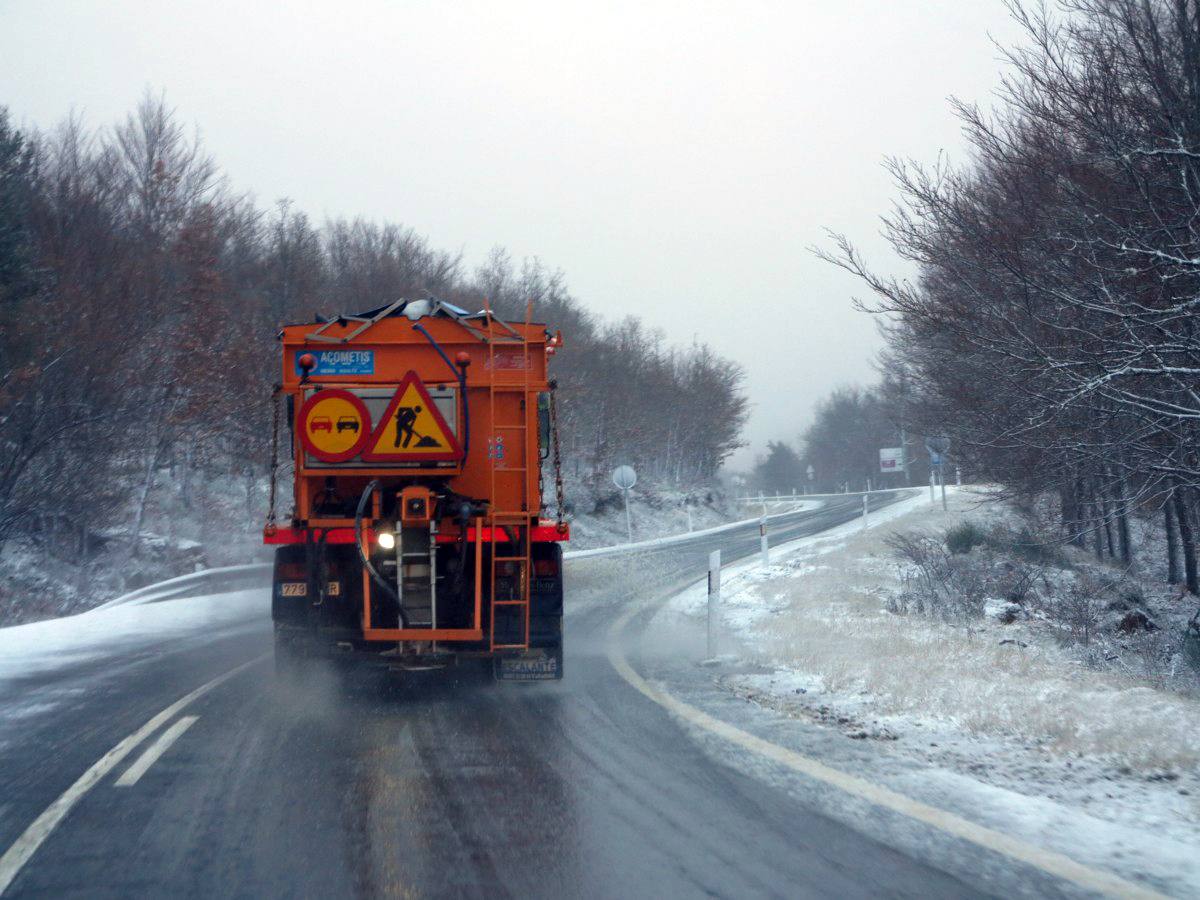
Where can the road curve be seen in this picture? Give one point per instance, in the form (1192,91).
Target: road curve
(424,786)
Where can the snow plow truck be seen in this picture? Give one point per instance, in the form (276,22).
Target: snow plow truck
(418,536)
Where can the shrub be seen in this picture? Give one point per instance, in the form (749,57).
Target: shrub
(964,537)
(1014,581)
(1080,609)
(1131,594)
(938,583)
(1024,544)
(945,579)
(1191,642)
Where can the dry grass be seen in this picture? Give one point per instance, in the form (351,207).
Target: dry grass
(836,627)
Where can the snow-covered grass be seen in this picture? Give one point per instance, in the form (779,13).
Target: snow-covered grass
(821,611)
(835,627)
(811,637)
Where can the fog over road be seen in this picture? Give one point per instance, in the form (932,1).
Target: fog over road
(421,785)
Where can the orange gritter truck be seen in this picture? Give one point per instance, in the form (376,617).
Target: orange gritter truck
(417,537)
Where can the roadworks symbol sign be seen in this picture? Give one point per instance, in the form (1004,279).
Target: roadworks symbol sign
(412,429)
(334,425)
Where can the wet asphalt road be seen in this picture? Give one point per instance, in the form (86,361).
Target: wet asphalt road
(427,786)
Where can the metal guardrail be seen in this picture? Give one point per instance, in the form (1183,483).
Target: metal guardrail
(253,575)
(795,498)
(209,581)
(683,537)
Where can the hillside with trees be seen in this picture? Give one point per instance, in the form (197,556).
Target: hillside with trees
(842,442)
(1053,330)
(140,295)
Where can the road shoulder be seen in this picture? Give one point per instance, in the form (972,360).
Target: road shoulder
(668,659)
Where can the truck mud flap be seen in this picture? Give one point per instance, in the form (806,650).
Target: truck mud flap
(533,665)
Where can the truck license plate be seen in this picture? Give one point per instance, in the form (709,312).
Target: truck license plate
(300,589)
(540,667)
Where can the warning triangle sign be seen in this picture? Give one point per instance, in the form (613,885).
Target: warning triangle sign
(411,429)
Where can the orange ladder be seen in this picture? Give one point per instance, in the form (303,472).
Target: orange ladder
(509,526)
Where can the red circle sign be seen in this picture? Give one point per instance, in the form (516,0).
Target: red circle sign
(333,425)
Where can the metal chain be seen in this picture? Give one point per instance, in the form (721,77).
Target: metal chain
(274,454)
(558,479)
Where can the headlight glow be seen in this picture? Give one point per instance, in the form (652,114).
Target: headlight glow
(386,539)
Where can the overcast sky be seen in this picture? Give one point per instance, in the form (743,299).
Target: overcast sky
(674,159)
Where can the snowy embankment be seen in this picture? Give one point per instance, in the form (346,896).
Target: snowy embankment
(217,600)
(999,719)
(39,647)
(36,584)
(599,516)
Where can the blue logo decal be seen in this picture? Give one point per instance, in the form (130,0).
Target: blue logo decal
(340,362)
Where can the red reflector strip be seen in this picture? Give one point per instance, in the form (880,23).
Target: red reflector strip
(299,571)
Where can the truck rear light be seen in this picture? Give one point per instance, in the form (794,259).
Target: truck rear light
(545,568)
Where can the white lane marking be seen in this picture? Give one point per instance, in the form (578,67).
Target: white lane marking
(154,751)
(34,836)
(1048,861)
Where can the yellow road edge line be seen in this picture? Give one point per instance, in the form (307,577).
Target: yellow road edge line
(16,856)
(1048,861)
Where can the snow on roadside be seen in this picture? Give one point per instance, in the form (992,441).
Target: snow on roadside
(153,614)
(40,647)
(142,618)
(1009,724)
(785,558)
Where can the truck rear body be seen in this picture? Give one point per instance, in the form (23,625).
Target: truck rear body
(419,434)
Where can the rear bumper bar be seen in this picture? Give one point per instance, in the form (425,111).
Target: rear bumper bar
(541,534)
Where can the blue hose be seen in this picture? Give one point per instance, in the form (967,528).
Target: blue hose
(460,373)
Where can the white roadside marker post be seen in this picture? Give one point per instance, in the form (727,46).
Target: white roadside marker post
(866,511)
(714,598)
(628,520)
(624,477)
(762,541)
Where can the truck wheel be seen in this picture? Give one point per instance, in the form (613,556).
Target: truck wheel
(291,574)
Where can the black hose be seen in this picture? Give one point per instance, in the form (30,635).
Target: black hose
(366,560)
(316,565)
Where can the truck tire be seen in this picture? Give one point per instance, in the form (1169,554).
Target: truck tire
(546,623)
(290,570)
